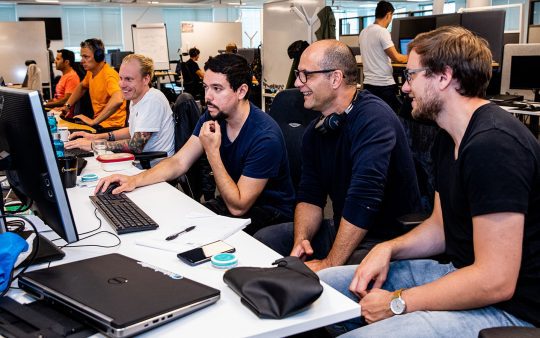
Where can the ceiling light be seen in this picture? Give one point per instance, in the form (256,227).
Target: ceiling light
(47,1)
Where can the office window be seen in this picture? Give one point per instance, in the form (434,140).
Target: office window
(81,23)
(173,18)
(535,13)
(7,13)
(511,22)
(251,25)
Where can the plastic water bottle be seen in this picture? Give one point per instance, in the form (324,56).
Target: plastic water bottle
(51,120)
(58,145)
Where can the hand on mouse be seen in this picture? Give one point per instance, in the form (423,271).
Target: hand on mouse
(84,119)
(126,183)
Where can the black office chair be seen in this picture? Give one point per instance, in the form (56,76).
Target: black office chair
(420,136)
(510,332)
(288,111)
(198,181)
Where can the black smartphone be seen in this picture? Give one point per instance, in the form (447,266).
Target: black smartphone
(204,253)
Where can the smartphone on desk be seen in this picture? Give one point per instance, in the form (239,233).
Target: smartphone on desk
(204,253)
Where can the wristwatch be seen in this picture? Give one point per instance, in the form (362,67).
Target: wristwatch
(397,304)
(68,106)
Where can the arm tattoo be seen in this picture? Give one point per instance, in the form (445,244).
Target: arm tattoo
(138,141)
(135,145)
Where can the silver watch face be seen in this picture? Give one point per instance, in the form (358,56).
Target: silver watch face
(397,305)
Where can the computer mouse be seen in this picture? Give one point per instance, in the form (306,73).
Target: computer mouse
(110,188)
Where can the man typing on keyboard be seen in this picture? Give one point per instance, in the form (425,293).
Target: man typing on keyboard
(244,146)
(151,126)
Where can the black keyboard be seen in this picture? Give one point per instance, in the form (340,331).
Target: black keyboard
(78,153)
(124,215)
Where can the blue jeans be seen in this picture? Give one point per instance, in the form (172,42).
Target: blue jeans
(408,274)
(280,238)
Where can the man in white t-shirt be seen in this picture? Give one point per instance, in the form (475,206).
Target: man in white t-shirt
(378,51)
(151,125)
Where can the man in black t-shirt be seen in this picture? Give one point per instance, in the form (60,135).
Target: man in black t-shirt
(486,215)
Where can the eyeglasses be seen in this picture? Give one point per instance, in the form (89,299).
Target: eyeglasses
(407,73)
(302,75)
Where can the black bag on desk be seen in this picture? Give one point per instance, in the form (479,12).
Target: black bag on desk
(275,292)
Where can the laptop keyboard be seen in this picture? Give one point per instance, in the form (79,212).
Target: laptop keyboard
(76,152)
(124,215)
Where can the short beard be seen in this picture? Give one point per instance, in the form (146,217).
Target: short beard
(221,116)
(429,107)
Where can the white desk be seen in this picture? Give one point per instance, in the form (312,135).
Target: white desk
(228,317)
(533,117)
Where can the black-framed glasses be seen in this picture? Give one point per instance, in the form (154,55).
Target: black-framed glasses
(302,75)
(407,73)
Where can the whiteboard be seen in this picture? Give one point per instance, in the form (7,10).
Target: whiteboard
(151,40)
(209,37)
(21,41)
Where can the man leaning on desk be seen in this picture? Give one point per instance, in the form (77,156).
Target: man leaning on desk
(102,82)
(151,125)
(377,50)
(244,146)
(68,82)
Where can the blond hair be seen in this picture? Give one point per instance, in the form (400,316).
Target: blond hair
(146,64)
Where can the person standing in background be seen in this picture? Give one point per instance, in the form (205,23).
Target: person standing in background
(378,51)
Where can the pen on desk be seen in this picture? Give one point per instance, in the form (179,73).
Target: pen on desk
(173,236)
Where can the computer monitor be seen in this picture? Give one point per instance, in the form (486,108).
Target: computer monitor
(403,43)
(31,166)
(525,72)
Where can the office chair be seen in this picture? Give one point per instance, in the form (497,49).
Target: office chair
(510,332)
(288,111)
(420,136)
(198,181)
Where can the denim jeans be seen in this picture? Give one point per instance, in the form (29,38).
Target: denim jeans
(408,274)
(280,238)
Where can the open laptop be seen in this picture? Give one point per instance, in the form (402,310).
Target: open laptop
(118,295)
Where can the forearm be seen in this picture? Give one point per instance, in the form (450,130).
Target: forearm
(307,221)
(109,109)
(76,95)
(166,170)
(56,103)
(347,240)
(466,288)
(425,240)
(228,189)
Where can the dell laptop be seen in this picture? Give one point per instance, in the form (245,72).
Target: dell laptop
(118,295)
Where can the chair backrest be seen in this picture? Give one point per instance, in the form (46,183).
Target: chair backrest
(420,136)
(288,111)
(200,181)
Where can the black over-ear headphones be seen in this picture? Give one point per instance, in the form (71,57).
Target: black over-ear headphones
(333,122)
(99,52)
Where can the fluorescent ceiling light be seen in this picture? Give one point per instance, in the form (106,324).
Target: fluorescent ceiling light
(47,1)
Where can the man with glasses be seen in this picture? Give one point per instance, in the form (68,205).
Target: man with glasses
(486,216)
(357,155)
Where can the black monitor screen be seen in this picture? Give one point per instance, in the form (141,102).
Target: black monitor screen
(53,27)
(33,172)
(525,72)
(403,43)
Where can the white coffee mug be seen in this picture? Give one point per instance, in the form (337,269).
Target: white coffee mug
(64,134)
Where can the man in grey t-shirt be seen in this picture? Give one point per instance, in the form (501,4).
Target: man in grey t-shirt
(377,50)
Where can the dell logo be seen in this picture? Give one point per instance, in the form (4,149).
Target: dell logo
(117,280)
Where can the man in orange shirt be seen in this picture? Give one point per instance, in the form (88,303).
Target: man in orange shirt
(69,80)
(102,82)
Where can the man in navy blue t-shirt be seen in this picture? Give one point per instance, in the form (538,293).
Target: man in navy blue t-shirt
(357,155)
(244,146)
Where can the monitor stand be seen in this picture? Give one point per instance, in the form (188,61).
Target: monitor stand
(47,250)
(534,120)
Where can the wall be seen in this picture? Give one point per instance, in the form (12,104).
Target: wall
(281,27)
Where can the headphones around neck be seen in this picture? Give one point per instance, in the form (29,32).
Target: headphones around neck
(99,53)
(333,122)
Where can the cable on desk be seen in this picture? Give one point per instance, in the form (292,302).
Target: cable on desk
(32,256)
(92,235)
